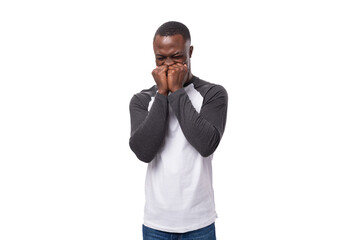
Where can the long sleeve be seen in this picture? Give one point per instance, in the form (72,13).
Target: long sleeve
(203,130)
(147,127)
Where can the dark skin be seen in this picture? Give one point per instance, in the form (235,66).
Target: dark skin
(172,70)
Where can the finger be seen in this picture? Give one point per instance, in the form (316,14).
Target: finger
(177,67)
(171,66)
(162,67)
(182,65)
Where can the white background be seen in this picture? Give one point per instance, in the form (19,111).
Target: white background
(288,164)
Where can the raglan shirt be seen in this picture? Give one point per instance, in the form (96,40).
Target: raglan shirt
(177,136)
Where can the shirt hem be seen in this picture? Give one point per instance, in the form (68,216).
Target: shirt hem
(182,229)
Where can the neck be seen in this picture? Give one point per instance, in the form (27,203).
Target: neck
(189,76)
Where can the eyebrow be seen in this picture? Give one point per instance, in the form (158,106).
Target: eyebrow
(177,53)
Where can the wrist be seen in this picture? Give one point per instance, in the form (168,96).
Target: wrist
(174,89)
(163,92)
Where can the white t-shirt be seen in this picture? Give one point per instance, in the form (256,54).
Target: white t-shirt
(178,190)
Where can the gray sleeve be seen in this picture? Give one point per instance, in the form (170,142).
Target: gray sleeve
(147,127)
(203,130)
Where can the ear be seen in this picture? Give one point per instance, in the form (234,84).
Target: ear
(191,50)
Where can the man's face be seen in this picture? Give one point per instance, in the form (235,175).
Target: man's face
(172,49)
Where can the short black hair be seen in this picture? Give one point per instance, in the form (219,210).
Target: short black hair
(172,28)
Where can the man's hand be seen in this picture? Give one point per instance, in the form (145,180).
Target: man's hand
(160,77)
(177,76)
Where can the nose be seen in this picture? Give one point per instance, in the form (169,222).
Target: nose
(169,62)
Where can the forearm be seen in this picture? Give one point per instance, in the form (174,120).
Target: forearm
(203,130)
(148,128)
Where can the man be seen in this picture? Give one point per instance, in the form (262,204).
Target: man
(175,127)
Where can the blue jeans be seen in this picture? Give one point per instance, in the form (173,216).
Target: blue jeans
(206,233)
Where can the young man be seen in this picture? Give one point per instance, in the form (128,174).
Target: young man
(175,127)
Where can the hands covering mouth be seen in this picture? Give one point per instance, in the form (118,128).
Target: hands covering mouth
(170,77)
